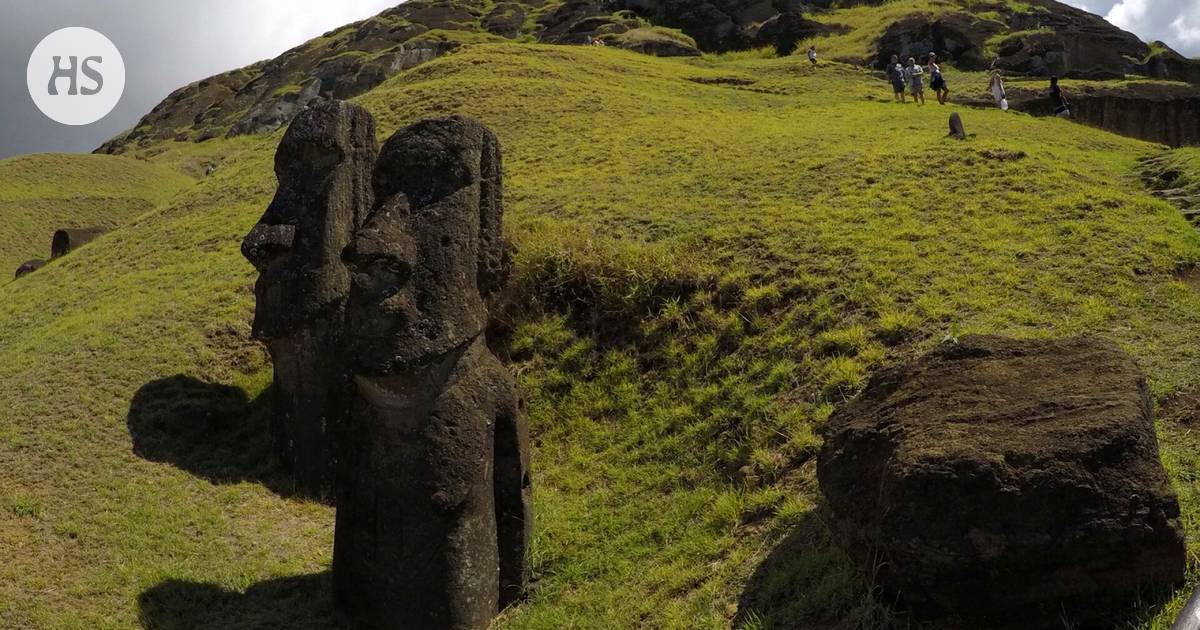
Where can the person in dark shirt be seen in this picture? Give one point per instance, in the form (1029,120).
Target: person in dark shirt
(896,74)
(1062,108)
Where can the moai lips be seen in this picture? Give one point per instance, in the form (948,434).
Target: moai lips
(324,166)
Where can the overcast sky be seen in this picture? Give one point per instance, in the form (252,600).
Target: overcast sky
(167,44)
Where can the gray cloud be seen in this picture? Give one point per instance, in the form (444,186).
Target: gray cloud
(1176,22)
(165,44)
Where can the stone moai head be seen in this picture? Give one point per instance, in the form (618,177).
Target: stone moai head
(430,252)
(324,165)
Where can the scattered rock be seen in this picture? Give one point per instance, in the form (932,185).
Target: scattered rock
(956,127)
(29,267)
(324,166)
(68,240)
(997,480)
(434,505)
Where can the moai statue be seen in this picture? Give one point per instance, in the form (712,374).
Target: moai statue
(434,507)
(324,165)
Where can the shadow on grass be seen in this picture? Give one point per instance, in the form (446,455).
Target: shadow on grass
(303,602)
(210,430)
(807,583)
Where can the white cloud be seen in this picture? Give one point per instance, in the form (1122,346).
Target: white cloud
(1176,22)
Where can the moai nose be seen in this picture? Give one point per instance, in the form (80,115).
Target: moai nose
(265,243)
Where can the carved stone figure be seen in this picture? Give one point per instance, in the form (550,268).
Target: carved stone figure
(324,166)
(67,240)
(29,267)
(434,509)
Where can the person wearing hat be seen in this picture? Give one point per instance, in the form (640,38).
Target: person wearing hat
(937,81)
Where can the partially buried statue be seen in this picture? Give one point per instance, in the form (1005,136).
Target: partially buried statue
(434,507)
(324,166)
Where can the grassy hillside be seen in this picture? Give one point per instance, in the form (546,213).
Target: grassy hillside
(43,193)
(711,256)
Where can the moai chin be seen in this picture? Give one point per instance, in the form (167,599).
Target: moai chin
(434,509)
(324,165)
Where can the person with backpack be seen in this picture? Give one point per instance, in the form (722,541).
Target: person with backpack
(812,55)
(1062,108)
(896,74)
(937,81)
(914,74)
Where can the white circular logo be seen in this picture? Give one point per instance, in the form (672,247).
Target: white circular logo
(76,76)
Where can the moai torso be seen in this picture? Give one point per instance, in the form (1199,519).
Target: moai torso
(324,165)
(433,505)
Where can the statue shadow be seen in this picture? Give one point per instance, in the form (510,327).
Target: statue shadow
(303,602)
(210,430)
(807,583)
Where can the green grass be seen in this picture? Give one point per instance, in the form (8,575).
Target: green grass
(704,271)
(43,193)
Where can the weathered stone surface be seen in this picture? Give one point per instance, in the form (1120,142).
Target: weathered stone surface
(29,267)
(68,240)
(956,127)
(324,165)
(434,509)
(956,37)
(1004,482)
(786,30)
(272,113)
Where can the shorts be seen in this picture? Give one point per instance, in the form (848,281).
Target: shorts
(938,82)
(918,86)
(898,86)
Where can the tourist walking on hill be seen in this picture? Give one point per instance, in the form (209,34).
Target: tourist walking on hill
(913,74)
(896,74)
(812,55)
(937,81)
(1062,108)
(996,87)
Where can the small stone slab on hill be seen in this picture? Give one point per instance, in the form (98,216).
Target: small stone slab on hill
(1004,483)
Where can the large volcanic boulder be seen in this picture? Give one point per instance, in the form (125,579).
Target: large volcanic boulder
(997,481)
(956,37)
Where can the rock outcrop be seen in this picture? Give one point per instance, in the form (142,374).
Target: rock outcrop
(68,240)
(434,506)
(1166,113)
(959,37)
(29,267)
(324,165)
(1006,483)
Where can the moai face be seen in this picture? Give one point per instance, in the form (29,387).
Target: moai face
(429,252)
(324,166)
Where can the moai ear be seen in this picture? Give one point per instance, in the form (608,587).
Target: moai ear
(494,261)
